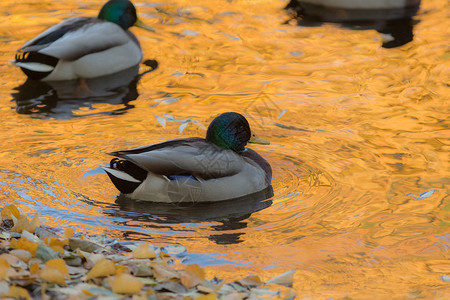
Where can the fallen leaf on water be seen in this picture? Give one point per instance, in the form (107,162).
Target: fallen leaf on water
(192,275)
(285,279)
(144,251)
(126,284)
(103,268)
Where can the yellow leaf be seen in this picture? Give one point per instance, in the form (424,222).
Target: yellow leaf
(9,211)
(126,284)
(144,251)
(102,268)
(4,262)
(251,280)
(25,244)
(56,244)
(58,264)
(69,233)
(18,292)
(34,268)
(52,275)
(211,296)
(3,272)
(192,275)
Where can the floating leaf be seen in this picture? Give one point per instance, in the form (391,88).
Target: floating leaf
(126,284)
(285,279)
(192,275)
(103,268)
(144,251)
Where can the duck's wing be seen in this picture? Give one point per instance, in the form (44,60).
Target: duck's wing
(76,37)
(194,157)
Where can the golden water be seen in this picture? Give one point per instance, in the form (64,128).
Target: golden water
(357,133)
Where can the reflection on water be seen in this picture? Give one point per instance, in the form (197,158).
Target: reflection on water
(397,22)
(359,144)
(61,99)
(228,215)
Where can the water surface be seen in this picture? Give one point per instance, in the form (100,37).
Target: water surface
(359,142)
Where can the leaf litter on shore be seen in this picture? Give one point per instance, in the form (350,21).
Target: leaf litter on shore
(37,262)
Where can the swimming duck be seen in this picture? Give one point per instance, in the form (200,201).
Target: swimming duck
(84,47)
(218,167)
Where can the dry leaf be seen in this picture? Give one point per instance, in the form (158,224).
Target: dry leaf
(212,296)
(251,280)
(126,284)
(22,254)
(58,264)
(144,251)
(103,268)
(52,275)
(10,210)
(91,258)
(285,279)
(18,293)
(69,232)
(192,275)
(163,272)
(84,245)
(23,243)
(3,272)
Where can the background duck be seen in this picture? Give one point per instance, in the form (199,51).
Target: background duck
(84,47)
(194,169)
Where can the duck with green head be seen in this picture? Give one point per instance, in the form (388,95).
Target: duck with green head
(216,168)
(84,47)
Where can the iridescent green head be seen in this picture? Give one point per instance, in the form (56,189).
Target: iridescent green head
(231,130)
(121,12)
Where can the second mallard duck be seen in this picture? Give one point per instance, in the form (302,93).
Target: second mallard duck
(84,47)
(217,168)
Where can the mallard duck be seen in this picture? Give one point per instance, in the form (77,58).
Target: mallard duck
(84,47)
(218,167)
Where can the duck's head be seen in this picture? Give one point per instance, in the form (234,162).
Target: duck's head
(231,130)
(123,13)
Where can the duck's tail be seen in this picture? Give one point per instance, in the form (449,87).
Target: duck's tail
(125,175)
(35,65)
